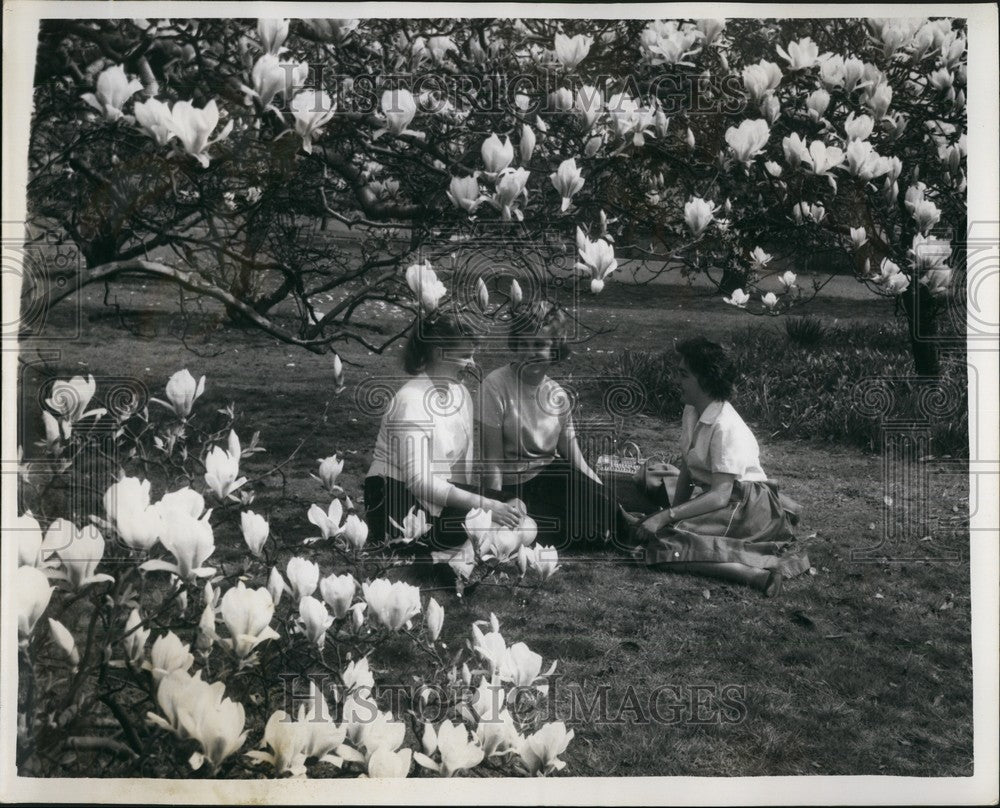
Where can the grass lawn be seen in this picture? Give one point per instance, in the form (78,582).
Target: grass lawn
(862,668)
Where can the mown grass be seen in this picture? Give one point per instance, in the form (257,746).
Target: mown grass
(862,668)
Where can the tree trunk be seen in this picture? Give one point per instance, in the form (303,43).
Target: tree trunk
(922,325)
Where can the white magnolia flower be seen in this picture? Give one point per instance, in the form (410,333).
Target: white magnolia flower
(496,155)
(567,180)
(759,258)
(169,654)
(597,258)
(545,561)
(926,214)
(32,593)
(222,468)
(748,140)
(185,500)
(570,51)
(823,158)
(817,103)
(464,193)
(434,618)
(511,184)
(191,541)
(787,279)
(154,117)
(399,108)
(193,128)
(358,676)
(761,78)
(423,282)
(770,300)
(800,55)
(315,620)
(393,604)
(182,392)
(738,298)
(113,90)
(588,105)
(29,540)
(770,108)
(859,237)
(247,614)
(286,739)
(355,531)
(135,638)
(276,585)
(312,110)
(303,575)
(271,77)
(69,399)
(698,215)
(80,550)
(328,522)
(338,591)
(858,128)
(796,151)
(255,531)
(540,752)
(414,527)
(458,751)
(272,34)
(773,168)
(522,667)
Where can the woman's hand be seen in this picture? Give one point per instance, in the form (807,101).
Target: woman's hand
(506,514)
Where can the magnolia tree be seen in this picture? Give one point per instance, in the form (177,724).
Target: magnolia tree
(199,152)
(173,630)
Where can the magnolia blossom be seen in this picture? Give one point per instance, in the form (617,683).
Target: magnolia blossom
(303,575)
(384,763)
(759,258)
(222,468)
(630,119)
(561,99)
(800,55)
(457,750)
(113,90)
(169,654)
(587,104)
(540,752)
(748,140)
(878,99)
(329,521)
(929,252)
(522,667)
(511,184)
(496,155)
(858,128)
(139,523)
(182,392)
(464,193)
(255,531)
(567,180)
(154,117)
(190,541)
(495,731)
(29,540)
(393,604)
(399,109)
(831,69)
(698,215)
(823,158)
(667,42)
(414,526)
(315,620)
(355,531)
(526,147)
(286,739)
(545,561)
(80,550)
(338,592)
(332,29)
(761,78)
(135,638)
(817,103)
(247,614)
(796,151)
(69,399)
(194,126)
(926,214)
(312,110)
(859,237)
(186,500)
(738,298)
(272,33)
(773,168)
(423,282)
(32,593)
(570,51)
(271,76)
(937,281)
(788,279)
(595,257)
(770,300)
(275,585)
(770,108)
(434,619)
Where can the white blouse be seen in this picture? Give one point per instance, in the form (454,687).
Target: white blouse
(719,442)
(425,440)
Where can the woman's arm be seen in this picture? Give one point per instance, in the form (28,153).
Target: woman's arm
(716,497)
(492,456)
(685,485)
(569,448)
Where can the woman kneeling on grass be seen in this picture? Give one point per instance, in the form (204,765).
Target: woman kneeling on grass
(529,442)
(738,527)
(423,452)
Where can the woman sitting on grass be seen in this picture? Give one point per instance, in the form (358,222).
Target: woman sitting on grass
(423,452)
(529,444)
(736,527)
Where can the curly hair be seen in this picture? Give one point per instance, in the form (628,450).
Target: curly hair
(430,332)
(710,365)
(541,318)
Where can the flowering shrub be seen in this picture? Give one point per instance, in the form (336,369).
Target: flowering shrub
(163,652)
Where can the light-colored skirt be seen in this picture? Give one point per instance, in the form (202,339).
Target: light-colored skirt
(754,528)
